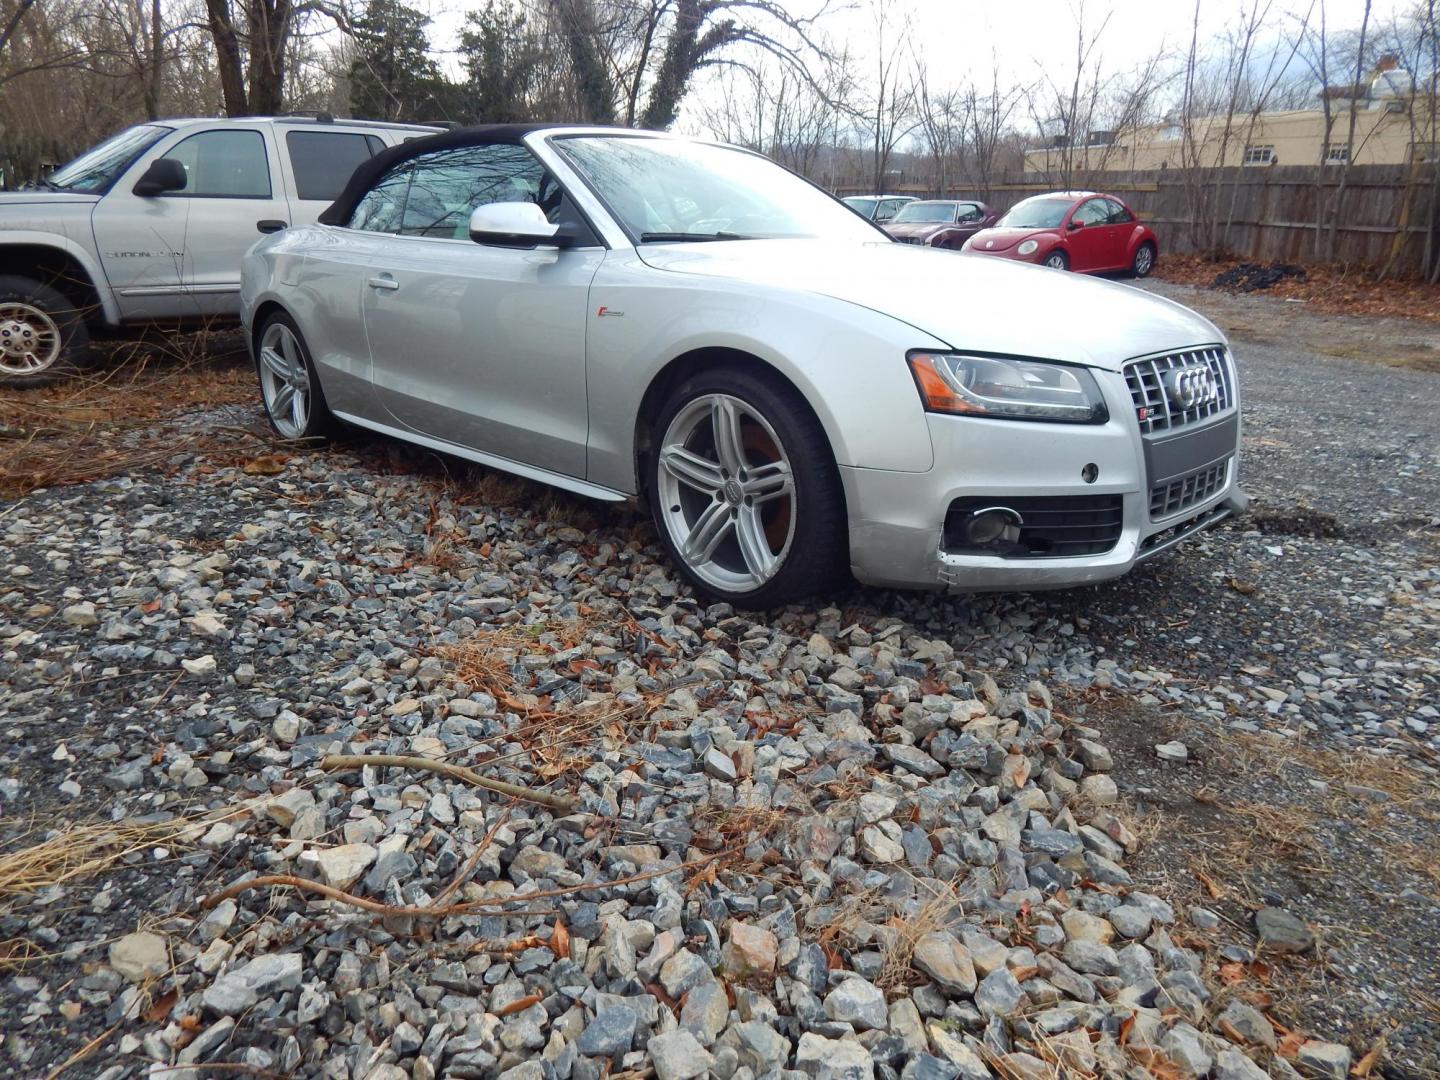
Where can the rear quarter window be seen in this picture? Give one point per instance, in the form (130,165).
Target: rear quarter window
(322,161)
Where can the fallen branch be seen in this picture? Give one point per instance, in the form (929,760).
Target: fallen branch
(340,762)
(435,911)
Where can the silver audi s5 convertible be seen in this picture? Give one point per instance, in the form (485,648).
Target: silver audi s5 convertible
(793,394)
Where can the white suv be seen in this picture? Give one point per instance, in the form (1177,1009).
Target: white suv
(151,226)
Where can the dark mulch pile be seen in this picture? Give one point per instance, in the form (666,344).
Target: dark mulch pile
(1252,277)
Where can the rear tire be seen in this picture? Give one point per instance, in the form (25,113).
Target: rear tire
(744,490)
(1144,260)
(1057,260)
(43,337)
(290,390)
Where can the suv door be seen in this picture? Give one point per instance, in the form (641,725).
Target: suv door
(141,244)
(318,162)
(479,345)
(232,194)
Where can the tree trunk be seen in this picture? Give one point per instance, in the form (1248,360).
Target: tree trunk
(269,30)
(228,57)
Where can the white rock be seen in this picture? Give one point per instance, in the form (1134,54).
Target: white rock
(140,956)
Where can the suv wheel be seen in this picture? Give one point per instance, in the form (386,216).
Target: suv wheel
(289,387)
(42,335)
(744,491)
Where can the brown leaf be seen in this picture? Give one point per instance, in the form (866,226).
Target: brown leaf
(1125,1027)
(190,1022)
(1232,973)
(1290,1045)
(1213,887)
(265,465)
(1244,588)
(519,1005)
(152,607)
(1363,1067)
(161,1008)
(560,940)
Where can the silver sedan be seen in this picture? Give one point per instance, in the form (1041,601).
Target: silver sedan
(795,396)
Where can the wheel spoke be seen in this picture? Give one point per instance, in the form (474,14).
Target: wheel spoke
(767,482)
(298,409)
(287,347)
(729,447)
(275,364)
(283,400)
(707,532)
(754,547)
(691,469)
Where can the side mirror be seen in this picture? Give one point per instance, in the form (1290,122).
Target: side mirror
(164,174)
(515,224)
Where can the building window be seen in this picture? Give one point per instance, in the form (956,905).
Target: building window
(1259,155)
(1337,153)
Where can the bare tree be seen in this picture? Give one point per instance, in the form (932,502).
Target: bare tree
(888,114)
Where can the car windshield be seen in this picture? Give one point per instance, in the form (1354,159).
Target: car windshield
(672,190)
(861,205)
(1041,213)
(925,211)
(94,171)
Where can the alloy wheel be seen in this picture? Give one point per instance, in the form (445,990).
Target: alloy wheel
(1056,261)
(29,339)
(727,492)
(285,380)
(1144,260)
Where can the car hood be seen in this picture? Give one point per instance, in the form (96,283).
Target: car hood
(985,305)
(915,228)
(1005,239)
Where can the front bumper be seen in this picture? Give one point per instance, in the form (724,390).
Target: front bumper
(897,520)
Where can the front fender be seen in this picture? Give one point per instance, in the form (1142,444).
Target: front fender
(82,256)
(846,360)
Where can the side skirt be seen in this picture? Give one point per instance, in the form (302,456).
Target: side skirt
(493,461)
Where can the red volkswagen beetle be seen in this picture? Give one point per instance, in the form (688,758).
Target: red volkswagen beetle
(1072,230)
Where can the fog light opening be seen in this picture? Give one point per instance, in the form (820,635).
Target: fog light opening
(993,525)
(1090,473)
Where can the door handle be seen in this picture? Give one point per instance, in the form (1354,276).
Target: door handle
(384,281)
(269,225)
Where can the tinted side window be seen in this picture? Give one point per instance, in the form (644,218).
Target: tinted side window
(448,184)
(382,207)
(225,164)
(968,212)
(323,160)
(1118,214)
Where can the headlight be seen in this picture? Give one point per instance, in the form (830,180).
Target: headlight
(1027,248)
(1006,388)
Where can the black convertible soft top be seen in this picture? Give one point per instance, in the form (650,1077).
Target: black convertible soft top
(367,172)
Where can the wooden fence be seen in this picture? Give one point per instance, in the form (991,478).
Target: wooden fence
(1262,213)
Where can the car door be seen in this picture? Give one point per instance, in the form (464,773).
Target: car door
(482,346)
(233,194)
(887,209)
(1089,244)
(141,243)
(1119,225)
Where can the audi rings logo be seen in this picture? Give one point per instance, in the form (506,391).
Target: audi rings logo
(1191,387)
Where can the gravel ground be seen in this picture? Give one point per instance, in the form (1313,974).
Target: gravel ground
(879,837)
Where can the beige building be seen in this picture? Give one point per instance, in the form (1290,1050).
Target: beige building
(1393,126)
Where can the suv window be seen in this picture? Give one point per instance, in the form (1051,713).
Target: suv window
(323,160)
(224,164)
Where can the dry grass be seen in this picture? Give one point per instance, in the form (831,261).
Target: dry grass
(111,420)
(84,850)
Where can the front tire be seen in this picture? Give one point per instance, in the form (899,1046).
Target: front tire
(1057,260)
(744,490)
(1144,260)
(43,337)
(289,388)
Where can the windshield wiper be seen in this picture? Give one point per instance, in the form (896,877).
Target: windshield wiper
(688,237)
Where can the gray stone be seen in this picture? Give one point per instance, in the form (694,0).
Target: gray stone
(833,1059)
(609,1034)
(683,972)
(1185,1046)
(705,1012)
(912,759)
(999,994)
(945,960)
(1324,1059)
(140,956)
(1246,1023)
(240,988)
(1233,1065)
(857,1002)
(677,1055)
(1282,932)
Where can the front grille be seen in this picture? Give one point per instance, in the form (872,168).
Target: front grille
(1153,408)
(1052,527)
(1185,491)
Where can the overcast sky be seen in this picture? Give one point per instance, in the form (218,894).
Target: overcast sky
(1025,35)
